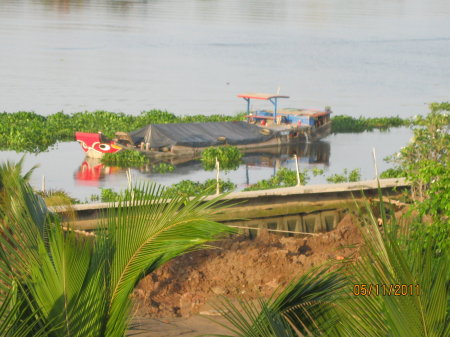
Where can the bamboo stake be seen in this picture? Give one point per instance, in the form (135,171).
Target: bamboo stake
(298,171)
(43,184)
(375,163)
(217,176)
(130,183)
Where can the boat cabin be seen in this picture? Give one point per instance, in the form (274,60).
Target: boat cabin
(287,117)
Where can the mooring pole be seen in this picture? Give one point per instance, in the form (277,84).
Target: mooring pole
(217,176)
(375,163)
(130,183)
(297,169)
(43,184)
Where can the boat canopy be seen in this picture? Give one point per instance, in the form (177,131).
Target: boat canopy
(261,96)
(199,134)
(273,98)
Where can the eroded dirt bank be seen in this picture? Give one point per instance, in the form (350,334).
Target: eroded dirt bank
(239,267)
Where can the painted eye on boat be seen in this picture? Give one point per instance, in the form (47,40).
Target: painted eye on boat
(104,147)
(83,144)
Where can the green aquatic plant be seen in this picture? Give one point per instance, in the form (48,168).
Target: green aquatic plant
(25,131)
(346,176)
(229,157)
(192,188)
(163,168)
(346,124)
(30,132)
(125,158)
(317,172)
(283,178)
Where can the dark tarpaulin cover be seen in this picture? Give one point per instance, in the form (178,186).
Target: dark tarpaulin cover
(198,134)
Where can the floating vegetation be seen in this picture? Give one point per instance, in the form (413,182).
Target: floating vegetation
(191,188)
(283,178)
(26,131)
(229,158)
(30,132)
(352,176)
(186,188)
(125,158)
(163,168)
(348,124)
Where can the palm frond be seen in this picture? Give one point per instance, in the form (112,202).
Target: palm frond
(78,286)
(147,234)
(409,284)
(305,307)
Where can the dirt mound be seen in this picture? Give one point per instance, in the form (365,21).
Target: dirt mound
(239,267)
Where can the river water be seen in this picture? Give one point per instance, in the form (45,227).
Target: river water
(370,58)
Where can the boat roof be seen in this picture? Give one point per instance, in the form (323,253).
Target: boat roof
(261,96)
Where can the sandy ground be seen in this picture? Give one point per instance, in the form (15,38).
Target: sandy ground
(180,326)
(169,301)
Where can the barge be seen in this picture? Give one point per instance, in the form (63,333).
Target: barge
(263,128)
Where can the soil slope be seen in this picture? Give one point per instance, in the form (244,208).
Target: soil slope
(239,267)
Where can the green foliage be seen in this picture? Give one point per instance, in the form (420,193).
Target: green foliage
(30,132)
(426,163)
(191,188)
(229,157)
(352,176)
(163,168)
(58,282)
(317,172)
(125,158)
(345,124)
(186,188)
(108,195)
(283,178)
(363,295)
(304,308)
(395,172)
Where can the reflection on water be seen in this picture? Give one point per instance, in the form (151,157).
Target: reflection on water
(92,171)
(62,169)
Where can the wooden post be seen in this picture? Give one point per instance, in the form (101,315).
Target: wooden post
(130,183)
(298,171)
(43,184)
(142,145)
(375,163)
(217,177)
(147,146)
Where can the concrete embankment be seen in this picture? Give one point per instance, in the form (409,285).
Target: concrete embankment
(311,208)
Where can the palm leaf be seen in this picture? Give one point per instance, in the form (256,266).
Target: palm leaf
(305,307)
(391,257)
(78,286)
(147,236)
